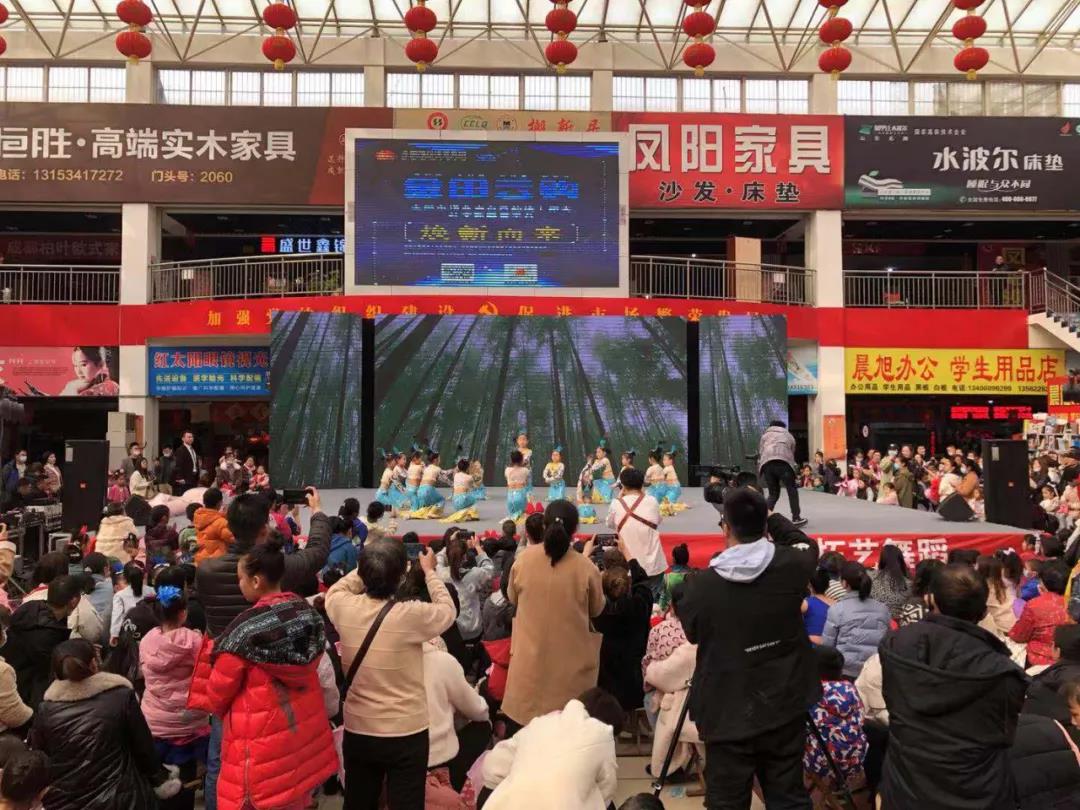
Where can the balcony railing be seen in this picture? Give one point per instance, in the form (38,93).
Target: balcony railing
(59,284)
(248,277)
(681,277)
(945,290)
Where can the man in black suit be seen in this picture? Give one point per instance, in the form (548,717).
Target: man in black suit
(186,471)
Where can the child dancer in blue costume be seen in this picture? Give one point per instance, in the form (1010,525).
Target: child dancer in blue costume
(476,472)
(672,487)
(522,442)
(390,492)
(626,459)
(654,475)
(413,473)
(602,474)
(517,478)
(429,502)
(555,476)
(464,498)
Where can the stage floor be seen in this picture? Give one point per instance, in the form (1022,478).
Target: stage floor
(827,515)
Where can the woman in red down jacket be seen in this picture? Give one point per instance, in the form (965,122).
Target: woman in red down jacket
(260,676)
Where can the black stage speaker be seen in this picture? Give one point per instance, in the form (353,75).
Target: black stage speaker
(86,474)
(955,509)
(1005,482)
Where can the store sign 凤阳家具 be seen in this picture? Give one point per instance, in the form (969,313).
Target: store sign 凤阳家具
(950,371)
(734,161)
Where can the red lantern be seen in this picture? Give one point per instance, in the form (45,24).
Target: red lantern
(3,44)
(3,15)
(422,51)
(134,13)
(971,60)
(699,55)
(561,21)
(968,28)
(279,16)
(699,24)
(420,18)
(560,53)
(832,5)
(135,45)
(697,3)
(835,60)
(968,5)
(279,50)
(835,30)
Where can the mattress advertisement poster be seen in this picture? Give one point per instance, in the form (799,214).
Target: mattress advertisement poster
(978,164)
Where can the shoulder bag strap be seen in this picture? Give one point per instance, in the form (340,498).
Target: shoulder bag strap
(366,644)
(630,513)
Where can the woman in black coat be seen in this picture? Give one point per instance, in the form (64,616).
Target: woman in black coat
(625,628)
(101,753)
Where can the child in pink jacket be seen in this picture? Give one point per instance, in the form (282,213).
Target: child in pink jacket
(167,657)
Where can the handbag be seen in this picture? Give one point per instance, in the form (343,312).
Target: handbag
(338,732)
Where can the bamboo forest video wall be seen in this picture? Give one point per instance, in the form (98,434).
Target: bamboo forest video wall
(315,395)
(477,381)
(743,384)
(342,386)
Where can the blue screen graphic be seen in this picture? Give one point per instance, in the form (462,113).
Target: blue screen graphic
(487,214)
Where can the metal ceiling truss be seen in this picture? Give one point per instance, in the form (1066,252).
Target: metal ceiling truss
(789,26)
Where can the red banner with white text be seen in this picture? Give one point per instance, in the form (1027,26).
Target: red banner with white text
(740,161)
(863,548)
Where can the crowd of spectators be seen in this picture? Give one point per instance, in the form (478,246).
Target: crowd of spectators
(265,655)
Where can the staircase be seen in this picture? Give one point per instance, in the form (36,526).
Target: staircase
(1054,311)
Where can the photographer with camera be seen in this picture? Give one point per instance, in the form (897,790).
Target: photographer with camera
(776,462)
(469,569)
(756,675)
(635,517)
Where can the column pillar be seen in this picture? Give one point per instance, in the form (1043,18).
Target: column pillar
(602,92)
(140,83)
(824,255)
(830,399)
(133,401)
(140,247)
(374,86)
(823,94)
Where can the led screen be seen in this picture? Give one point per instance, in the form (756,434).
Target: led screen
(486,213)
(315,394)
(743,377)
(475,381)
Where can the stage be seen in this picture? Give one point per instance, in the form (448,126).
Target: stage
(856,528)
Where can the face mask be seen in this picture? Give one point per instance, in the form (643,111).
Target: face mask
(22,459)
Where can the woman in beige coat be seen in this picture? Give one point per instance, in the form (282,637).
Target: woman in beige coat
(554,653)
